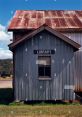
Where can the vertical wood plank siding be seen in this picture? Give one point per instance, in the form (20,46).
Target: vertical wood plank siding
(77,37)
(66,67)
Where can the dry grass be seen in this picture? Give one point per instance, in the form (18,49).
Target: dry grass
(6,78)
(41,111)
(12,109)
(35,116)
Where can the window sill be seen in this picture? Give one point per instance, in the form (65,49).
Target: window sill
(44,78)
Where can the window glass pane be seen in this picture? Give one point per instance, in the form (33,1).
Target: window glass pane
(41,70)
(48,71)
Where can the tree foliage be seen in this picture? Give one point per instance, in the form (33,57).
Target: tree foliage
(6,67)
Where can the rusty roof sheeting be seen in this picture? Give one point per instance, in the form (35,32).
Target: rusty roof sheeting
(56,19)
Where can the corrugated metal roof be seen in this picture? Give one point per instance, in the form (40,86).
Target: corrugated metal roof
(62,20)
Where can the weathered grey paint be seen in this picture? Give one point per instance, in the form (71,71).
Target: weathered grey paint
(63,70)
(77,37)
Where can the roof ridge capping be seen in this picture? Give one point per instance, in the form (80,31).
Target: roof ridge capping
(46,10)
(54,32)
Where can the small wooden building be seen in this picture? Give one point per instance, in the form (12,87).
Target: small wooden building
(47,55)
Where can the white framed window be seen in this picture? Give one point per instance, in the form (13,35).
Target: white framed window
(44,67)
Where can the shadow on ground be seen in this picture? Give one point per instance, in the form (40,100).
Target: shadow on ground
(6,96)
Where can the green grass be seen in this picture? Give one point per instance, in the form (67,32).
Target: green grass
(13,109)
(49,110)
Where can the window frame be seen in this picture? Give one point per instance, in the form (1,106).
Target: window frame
(45,77)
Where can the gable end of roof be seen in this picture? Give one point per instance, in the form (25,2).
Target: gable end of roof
(49,29)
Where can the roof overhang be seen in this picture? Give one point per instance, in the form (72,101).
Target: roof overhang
(49,29)
(63,30)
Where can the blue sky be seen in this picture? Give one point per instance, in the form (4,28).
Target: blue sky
(8,7)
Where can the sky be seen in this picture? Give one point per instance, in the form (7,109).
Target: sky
(8,8)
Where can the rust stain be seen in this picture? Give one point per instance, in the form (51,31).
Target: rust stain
(63,22)
(40,22)
(78,88)
(55,23)
(47,13)
(40,15)
(48,22)
(71,23)
(78,22)
(79,13)
(59,13)
(26,19)
(33,14)
(54,14)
